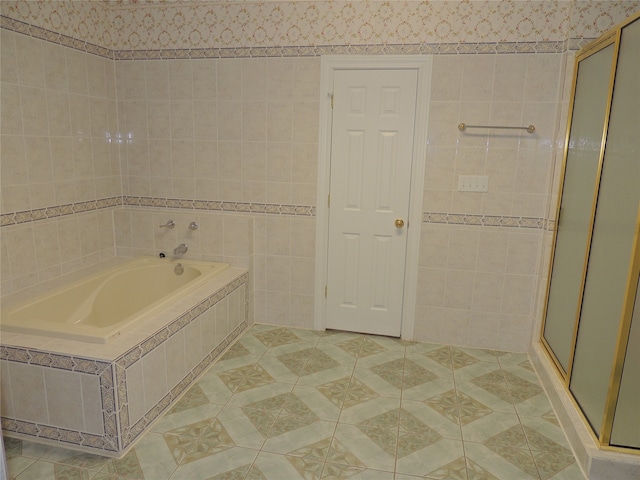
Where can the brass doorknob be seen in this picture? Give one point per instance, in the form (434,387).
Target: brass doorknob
(399,223)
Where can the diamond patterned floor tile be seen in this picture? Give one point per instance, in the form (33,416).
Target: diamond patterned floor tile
(230,464)
(503,464)
(291,435)
(351,346)
(307,361)
(319,404)
(287,403)
(490,428)
(364,411)
(376,383)
(187,450)
(335,391)
(194,397)
(234,351)
(277,337)
(456,470)
(269,466)
(550,464)
(425,415)
(437,459)
(433,365)
(461,359)
(345,472)
(361,446)
(495,397)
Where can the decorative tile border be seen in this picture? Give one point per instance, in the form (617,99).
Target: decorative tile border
(485,220)
(54,37)
(107,442)
(221,206)
(461,48)
(15,218)
(257,208)
(351,49)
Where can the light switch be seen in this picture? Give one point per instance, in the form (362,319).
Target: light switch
(473,183)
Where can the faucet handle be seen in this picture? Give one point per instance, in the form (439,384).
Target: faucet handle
(169,224)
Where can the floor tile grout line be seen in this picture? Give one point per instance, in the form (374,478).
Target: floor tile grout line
(455,387)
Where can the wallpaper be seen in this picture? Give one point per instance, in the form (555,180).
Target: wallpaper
(153,25)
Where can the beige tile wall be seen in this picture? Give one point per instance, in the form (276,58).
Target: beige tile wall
(33,253)
(479,285)
(246,130)
(58,121)
(220,129)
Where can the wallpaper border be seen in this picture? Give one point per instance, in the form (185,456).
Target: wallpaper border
(552,46)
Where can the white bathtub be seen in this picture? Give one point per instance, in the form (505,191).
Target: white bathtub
(101,307)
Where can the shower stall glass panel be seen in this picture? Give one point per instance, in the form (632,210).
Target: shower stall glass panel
(592,319)
(611,281)
(574,217)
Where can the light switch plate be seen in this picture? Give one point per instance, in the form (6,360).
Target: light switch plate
(473,183)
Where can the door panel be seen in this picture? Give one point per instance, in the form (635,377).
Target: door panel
(371,159)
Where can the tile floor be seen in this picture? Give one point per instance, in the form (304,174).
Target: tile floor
(287,404)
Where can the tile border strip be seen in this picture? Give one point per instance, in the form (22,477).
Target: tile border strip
(17,218)
(54,37)
(486,220)
(473,48)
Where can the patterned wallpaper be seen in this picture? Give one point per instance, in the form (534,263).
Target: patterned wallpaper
(154,25)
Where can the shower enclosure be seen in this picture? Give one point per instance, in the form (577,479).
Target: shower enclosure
(591,329)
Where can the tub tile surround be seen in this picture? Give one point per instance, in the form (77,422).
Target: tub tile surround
(120,388)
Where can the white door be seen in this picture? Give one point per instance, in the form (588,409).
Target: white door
(372,142)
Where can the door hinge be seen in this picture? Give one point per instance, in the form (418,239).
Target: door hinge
(329,200)
(325,291)
(331,97)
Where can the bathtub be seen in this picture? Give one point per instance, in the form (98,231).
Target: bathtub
(98,309)
(59,388)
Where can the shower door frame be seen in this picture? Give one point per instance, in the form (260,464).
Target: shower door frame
(603,439)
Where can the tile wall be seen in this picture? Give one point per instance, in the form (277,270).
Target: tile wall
(222,130)
(478,284)
(58,119)
(235,136)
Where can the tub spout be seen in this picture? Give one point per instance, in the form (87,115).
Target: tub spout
(180,249)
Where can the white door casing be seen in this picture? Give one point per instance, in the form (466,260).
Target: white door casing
(370,265)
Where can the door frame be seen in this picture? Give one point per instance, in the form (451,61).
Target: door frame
(329,64)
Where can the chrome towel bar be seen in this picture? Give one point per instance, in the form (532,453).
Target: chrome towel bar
(463,126)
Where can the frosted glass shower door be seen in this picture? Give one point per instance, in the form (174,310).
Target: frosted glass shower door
(576,209)
(612,271)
